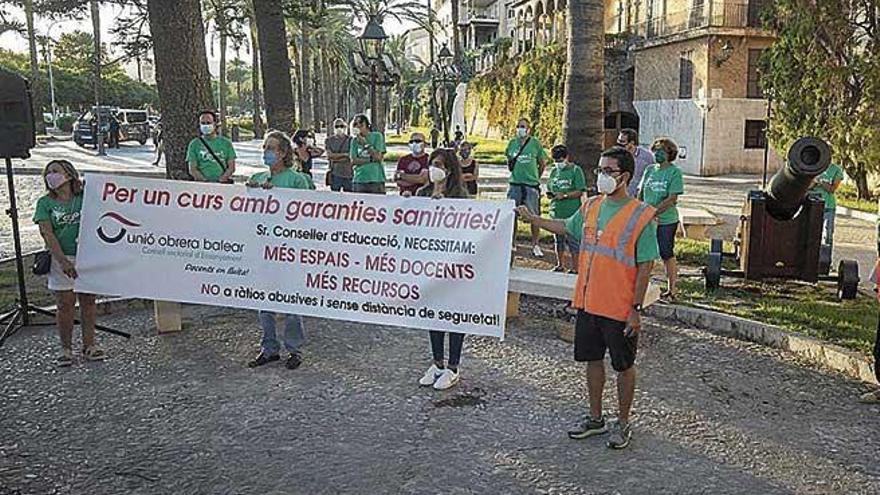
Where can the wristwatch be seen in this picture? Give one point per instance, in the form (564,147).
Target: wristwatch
(638,308)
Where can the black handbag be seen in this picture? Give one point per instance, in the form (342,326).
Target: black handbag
(511,162)
(42,263)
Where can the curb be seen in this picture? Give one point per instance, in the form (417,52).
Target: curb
(843,211)
(828,355)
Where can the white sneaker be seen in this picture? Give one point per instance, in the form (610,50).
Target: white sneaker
(537,251)
(430,376)
(447,380)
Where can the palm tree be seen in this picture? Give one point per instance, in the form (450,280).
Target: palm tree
(36,90)
(182,76)
(255,72)
(582,117)
(275,67)
(226,18)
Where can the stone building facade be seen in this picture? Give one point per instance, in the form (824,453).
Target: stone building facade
(686,69)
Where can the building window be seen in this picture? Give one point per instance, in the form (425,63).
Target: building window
(755,135)
(686,75)
(753,88)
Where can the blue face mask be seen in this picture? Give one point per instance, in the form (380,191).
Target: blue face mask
(660,156)
(270,158)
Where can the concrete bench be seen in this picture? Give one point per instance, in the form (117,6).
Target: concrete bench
(551,285)
(695,222)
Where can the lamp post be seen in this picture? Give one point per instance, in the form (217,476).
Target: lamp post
(372,42)
(445,74)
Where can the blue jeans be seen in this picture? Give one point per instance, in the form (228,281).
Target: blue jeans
(293,333)
(828,227)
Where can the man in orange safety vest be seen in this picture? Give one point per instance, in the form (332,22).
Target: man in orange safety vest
(618,238)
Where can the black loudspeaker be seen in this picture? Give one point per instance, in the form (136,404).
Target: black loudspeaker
(17,127)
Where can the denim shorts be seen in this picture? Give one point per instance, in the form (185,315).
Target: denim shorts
(530,196)
(567,243)
(666,240)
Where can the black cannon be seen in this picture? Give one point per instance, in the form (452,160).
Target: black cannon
(780,230)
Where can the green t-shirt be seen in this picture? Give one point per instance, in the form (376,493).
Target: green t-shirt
(288,178)
(646,245)
(567,179)
(526,169)
(64,218)
(368,172)
(205,163)
(660,183)
(829,176)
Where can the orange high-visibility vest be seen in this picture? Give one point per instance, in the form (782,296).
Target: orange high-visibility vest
(606,282)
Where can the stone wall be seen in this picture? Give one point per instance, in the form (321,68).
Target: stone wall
(658,71)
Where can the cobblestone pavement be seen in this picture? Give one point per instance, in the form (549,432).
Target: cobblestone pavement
(181,414)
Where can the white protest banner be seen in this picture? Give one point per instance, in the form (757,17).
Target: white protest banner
(409,262)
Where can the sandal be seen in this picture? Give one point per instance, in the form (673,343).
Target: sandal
(65,360)
(667,296)
(558,268)
(94,354)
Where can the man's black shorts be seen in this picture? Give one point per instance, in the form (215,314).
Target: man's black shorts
(593,334)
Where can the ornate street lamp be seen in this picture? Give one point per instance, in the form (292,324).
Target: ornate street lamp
(446,73)
(372,42)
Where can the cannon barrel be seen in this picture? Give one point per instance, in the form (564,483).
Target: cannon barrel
(807,158)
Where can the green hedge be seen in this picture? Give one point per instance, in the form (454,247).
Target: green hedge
(531,86)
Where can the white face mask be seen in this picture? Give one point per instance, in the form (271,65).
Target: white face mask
(521,131)
(606,184)
(310,142)
(560,165)
(416,148)
(436,174)
(339,131)
(206,129)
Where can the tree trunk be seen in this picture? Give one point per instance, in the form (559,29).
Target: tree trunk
(305,77)
(277,89)
(223,89)
(583,114)
(182,76)
(37,92)
(860,177)
(96,27)
(255,81)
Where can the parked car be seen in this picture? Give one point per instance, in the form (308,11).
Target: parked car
(133,125)
(85,128)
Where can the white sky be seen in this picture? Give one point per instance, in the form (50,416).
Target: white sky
(15,42)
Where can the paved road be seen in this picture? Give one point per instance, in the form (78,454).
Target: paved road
(180,414)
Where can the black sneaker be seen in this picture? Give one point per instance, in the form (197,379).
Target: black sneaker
(263,359)
(587,428)
(294,361)
(619,435)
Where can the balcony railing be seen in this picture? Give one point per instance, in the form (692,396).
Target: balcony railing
(479,13)
(727,15)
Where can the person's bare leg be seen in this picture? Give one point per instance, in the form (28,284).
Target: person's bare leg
(64,317)
(595,386)
(536,233)
(671,274)
(626,389)
(560,256)
(89,314)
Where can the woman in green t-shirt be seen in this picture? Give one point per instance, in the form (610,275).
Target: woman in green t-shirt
(278,155)
(565,187)
(367,153)
(58,215)
(662,184)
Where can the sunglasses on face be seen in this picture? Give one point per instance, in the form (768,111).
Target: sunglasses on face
(610,171)
(340,127)
(414,141)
